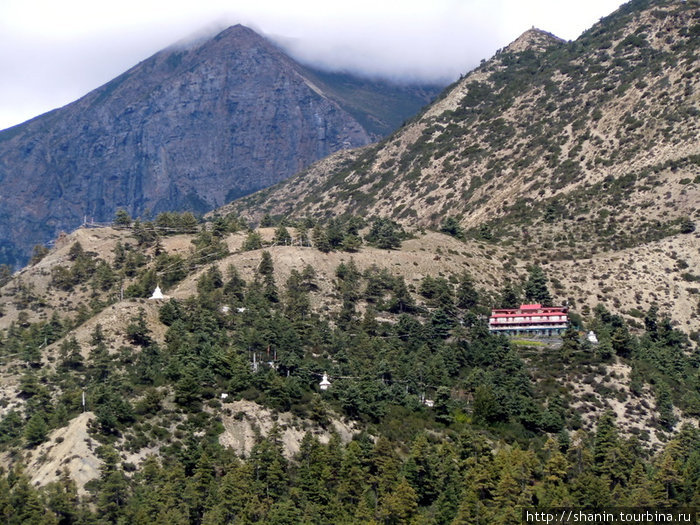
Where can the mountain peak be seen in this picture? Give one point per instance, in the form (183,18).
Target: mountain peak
(238,31)
(535,39)
(195,125)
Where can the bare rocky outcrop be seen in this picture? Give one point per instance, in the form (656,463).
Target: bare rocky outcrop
(245,421)
(68,450)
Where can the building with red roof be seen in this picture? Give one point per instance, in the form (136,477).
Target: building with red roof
(529,319)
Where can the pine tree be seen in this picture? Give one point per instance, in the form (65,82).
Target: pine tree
(668,474)
(252,242)
(113,486)
(401,299)
(319,237)
(25,503)
(270,466)
(467,295)
(36,430)
(536,287)
(556,467)
(621,341)
(506,498)
(266,266)
(639,491)
(122,218)
(311,466)
(62,499)
(421,470)
(266,221)
(450,225)
(351,243)
(385,466)
(353,476)
(509,297)
(571,345)
(664,406)
(606,446)
(234,287)
(6,510)
(282,236)
(399,506)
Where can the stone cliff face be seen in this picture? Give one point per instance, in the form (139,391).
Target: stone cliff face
(189,128)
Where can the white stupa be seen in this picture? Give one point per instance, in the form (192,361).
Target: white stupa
(324,384)
(157,294)
(592,337)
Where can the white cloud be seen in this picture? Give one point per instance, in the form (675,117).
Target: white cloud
(53,52)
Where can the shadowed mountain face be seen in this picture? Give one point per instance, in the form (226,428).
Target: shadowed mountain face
(192,127)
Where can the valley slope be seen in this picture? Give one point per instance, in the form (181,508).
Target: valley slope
(580,156)
(570,148)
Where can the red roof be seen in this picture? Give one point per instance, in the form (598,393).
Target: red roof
(530,310)
(543,314)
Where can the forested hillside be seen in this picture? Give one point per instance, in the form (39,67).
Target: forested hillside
(428,416)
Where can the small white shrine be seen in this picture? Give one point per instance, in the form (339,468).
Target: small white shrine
(157,294)
(592,337)
(324,384)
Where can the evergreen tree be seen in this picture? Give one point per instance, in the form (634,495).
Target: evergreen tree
(351,243)
(621,341)
(467,295)
(137,330)
(319,237)
(664,406)
(399,506)
(36,430)
(282,236)
(235,285)
(252,242)
(113,486)
(266,267)
(5,274)
(536,287)
(571,345)
(266,221)
(606,445)
(353,476)
(385,234)
(401,299)
(421,471)
(25,503)
(270,466)
(450,225)
(668,474)
(122,218)
(62,499)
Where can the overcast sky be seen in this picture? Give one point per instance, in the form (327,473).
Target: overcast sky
(54,51)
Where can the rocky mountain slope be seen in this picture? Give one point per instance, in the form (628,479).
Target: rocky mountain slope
(192,127)
(573,148)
